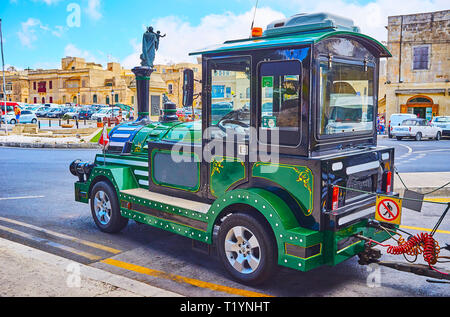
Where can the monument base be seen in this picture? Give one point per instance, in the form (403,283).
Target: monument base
(142,74)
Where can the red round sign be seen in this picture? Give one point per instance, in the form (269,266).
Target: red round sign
(388,210)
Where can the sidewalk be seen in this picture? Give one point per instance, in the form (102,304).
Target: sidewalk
(424,183)
(28,272)
(66,142)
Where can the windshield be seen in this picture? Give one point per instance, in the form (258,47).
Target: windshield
(346,98)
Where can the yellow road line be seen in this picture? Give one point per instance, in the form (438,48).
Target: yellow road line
(86,255)
(64,236)
(182,279)
(424,229)
(439,200)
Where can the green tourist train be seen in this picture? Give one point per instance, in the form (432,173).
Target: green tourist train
(287,126)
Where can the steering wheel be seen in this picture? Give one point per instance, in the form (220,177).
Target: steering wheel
(222,124)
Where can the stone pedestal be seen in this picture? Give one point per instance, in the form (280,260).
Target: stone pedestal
(142,74)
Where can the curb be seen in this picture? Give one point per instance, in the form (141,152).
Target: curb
(86,271)
(441,193)
(50,145)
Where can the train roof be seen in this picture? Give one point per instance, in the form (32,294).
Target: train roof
(298,30)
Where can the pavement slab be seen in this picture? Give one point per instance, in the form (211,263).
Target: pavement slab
(28,272)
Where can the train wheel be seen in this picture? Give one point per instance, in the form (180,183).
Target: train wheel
(247,248)
(105,208)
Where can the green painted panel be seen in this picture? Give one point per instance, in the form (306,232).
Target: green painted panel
(224,172)
(281,219)
(297,180)
(189,132)
(124,178)
(82,192)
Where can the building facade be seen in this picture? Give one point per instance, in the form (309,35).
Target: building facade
(418,74)
(79,82)
(173,78)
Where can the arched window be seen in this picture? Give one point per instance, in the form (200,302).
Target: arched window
(94,99)
(107,100)
(43,99)
(420,99)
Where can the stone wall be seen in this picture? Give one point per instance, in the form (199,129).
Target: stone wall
(403,82)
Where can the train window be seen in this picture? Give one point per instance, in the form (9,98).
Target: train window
(346,98)
(230,98)
(280,95)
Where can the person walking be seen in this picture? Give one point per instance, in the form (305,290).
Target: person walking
(17,112)
(382,124)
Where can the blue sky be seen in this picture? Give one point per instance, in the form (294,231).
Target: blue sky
(37,33)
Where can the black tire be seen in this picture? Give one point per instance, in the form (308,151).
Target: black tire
(34,121)
(266,253)
(438,136)
(399,138)
(13,121)
(418,136)
(116,222)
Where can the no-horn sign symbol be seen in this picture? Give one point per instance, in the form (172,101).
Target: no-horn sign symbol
(388,209)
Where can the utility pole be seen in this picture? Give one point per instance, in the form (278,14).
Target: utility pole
(4,82)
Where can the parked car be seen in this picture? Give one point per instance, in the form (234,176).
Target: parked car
(109,113)
(26,116)
(86,113)
(73,112)
(56,113)
(416,128)
(443,123)
(34,109)
(397,119)
(42,111)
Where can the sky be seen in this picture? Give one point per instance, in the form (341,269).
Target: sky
(38,33)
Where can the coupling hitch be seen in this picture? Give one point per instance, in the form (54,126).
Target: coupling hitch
(369,255)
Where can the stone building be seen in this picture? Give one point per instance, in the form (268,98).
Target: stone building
(79,82)
(17,86)
(173,78)
(418,74)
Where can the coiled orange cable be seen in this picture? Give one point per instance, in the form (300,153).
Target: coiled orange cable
(422,243)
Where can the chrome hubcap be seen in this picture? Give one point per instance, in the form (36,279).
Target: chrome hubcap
(102,207)
(242,250)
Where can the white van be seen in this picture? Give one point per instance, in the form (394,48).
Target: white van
(397,119)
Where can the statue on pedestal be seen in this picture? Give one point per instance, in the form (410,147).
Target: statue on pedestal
(150,44)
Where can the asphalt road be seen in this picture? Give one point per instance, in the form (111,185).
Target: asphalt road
(420,156)
(37,208)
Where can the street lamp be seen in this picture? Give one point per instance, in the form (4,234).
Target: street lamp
(112,103)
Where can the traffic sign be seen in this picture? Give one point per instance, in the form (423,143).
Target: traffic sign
(389,209)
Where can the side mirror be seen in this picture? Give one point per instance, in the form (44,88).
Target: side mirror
(188,88)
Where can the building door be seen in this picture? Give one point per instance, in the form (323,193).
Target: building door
(422,106)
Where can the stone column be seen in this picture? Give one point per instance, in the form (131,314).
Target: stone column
(142,74)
